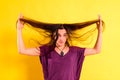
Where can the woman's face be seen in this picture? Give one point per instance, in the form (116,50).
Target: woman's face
(62,37)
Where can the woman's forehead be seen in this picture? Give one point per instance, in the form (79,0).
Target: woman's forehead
(62,31)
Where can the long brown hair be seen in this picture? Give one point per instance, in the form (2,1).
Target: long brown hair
(52,28)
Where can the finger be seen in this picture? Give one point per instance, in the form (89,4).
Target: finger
(20,16)
(100,18)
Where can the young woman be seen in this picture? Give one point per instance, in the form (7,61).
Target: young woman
(59,59)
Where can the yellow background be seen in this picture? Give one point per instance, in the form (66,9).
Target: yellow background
(104,66)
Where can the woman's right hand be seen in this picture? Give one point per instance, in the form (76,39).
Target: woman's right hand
(20,24)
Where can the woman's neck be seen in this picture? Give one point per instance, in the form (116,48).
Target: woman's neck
(61,47)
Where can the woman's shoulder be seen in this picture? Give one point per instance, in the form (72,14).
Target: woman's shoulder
(46,49)
(46,46)
(75,47)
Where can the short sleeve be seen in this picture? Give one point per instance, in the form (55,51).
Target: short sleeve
(42,50)
(80,57)
(81,51)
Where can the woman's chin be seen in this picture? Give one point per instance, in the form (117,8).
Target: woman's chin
(61,45)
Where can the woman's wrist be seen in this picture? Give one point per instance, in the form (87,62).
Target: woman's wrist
(19,29)
(100,31)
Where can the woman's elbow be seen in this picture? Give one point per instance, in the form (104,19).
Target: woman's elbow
(98,51)
(20,51)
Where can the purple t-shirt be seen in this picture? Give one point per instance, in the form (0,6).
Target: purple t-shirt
(57,67)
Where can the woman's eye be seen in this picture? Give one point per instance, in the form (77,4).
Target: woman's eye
(65,35)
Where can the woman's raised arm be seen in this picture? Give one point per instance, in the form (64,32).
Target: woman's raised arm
(21,47)
(97,47)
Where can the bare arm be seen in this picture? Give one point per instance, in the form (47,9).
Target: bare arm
(97,47)
(21,47)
